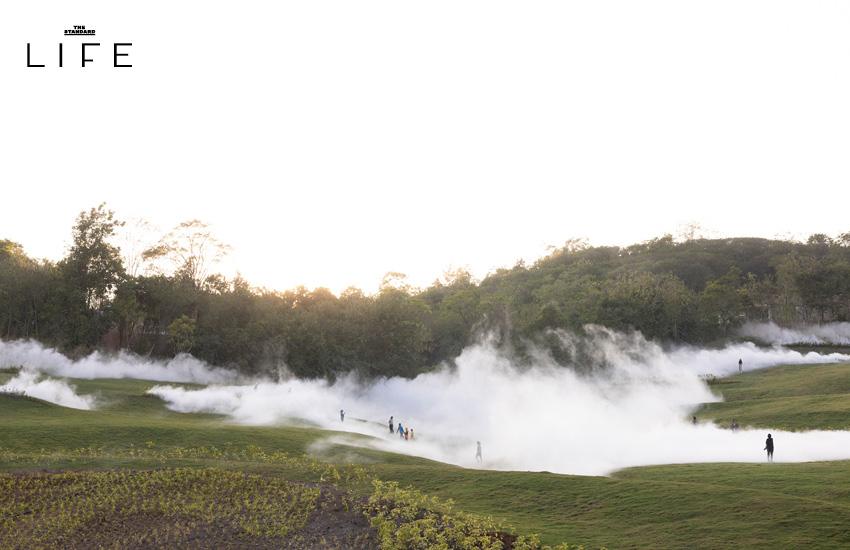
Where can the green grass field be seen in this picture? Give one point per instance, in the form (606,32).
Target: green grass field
(677,506)
(798,397)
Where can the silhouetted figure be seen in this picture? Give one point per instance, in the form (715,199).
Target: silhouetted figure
(478,452)
(734,424)
(391,425)
(341,415)
(695,421)
(768,446)
(740,366)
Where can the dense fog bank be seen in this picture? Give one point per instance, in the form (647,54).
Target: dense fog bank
(634,411)
(182,368)
(833,334)
(629,404)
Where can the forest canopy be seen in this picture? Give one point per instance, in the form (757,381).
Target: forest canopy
(163,297)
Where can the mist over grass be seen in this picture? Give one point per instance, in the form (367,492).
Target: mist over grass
(628,403)
(634,410)
(770,333)
(33,384)
(182,368)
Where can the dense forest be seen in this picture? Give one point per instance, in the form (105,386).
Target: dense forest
(164,298)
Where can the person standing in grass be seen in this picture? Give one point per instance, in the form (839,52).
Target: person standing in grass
(768,446)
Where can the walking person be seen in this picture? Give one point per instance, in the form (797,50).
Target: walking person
(400,431)
(391,425)
(768,446)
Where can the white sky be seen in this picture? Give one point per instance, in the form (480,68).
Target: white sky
(332,141)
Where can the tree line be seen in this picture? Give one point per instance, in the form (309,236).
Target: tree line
(163,298)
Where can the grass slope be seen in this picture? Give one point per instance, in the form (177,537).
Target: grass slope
(692,505)
(678,506)
(795,397)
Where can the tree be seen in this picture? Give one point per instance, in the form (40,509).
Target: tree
(788,301)
(819,244)
(398,339)
(397,281)
(25,289)
(127,312)
(91,272)
(93,265)
(457,277)
(181,334)
(725,299)
(137,237)
(762,295)
(823,288)
(465,304)
(192,250)
(12,251)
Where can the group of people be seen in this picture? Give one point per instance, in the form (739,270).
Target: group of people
(403,433)
(407,433)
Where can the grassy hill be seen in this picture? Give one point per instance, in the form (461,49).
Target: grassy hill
(793,397)
(677,506)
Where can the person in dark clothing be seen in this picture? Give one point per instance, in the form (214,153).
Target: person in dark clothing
(740,365)
(768,446)
(392,431)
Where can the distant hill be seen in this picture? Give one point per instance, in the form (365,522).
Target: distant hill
(695,291)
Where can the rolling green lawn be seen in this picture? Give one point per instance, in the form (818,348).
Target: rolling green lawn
(797,397)
(677,506)
(681,506)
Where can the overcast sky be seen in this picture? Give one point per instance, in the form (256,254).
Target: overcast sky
(332,141)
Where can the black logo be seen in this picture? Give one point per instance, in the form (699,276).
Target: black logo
(86,48)
(80,29)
